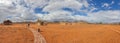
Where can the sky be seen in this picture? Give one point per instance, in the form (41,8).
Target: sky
(92,11)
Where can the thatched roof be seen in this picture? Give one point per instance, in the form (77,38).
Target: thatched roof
(7,22)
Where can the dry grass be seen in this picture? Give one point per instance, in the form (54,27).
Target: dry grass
(57,33)
(81,33)
(15,34)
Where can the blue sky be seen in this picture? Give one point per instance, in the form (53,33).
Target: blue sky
(94,6)
(99,4)
(114,4)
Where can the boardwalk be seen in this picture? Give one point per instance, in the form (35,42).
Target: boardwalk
(38,38)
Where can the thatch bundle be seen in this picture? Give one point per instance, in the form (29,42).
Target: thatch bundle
(7,22)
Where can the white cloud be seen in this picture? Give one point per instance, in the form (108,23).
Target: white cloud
(57,15)
(18,12)
(5,2)
(92,9)
(84,2)
(112,2)
(54,6)
(36,3)
(7,9)
(105,5)
(105,16)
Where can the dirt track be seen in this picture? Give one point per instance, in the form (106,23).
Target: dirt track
(38,38)
(20,34)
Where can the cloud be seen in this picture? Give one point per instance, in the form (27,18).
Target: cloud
(112,2)
(54,6)
(23,10)
(5,2)
(10,9)
(105,16)
(105,5)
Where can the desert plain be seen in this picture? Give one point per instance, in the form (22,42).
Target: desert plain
(61,33)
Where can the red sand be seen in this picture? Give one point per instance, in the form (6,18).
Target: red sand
(81,33)
(15,34)
(76,33)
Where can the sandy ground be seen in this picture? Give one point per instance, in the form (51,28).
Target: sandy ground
(81,33)
(76,33)
(15,34)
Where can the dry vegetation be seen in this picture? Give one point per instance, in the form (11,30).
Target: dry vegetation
(57,33)
(81,33)
(15,34)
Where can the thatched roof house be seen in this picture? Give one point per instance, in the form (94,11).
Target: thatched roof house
(39,22)
(7,22)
